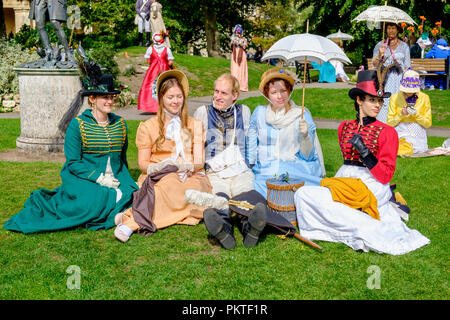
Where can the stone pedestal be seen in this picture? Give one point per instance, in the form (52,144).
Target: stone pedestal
(45,96)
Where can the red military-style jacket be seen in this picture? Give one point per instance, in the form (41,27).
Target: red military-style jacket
(380,138)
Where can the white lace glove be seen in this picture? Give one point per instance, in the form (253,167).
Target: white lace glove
(182,166)
(185,166)
(303,127)
(305,143)
(108,181)
(185,170)
(155,167)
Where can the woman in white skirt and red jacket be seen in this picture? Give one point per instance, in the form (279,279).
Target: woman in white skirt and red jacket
(354,207)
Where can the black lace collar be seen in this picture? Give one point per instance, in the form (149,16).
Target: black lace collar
(366,120)
(228,112)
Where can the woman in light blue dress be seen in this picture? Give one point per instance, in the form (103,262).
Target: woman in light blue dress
(392,51)
(279,139)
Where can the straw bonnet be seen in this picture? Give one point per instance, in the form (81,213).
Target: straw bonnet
(276,73)
(180,76)
(410,82)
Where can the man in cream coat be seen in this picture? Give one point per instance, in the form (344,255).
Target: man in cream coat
(226,124)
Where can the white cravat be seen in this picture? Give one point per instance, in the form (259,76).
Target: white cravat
(173,132)
(287,144)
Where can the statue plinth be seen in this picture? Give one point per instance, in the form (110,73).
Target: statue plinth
(45,96)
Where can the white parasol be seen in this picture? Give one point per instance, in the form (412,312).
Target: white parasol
(340,36)
(306,45)
(309,47)
(384,13)
(377,14)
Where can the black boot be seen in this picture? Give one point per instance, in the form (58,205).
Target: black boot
(252,228)
(218,228)
(148,39)
(220,224)
(140,35)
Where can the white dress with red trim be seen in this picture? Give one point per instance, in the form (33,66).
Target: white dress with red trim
(321,218)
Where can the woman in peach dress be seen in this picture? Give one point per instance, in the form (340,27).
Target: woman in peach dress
(171,158)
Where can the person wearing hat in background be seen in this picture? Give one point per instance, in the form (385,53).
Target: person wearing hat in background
(440,50)
(279,139)
(96,184)
(226,125)
(157,22)
(410,114)
(238,64)
(354,207)
(143,20)
(171,159)
(394,55)
(160,59)
(424,42)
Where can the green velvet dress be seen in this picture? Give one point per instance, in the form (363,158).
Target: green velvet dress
(80,201)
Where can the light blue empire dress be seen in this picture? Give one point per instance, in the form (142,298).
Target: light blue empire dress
(262,151)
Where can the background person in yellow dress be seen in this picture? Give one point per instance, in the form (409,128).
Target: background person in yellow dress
(410,114)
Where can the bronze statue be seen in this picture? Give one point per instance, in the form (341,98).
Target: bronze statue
(56,12)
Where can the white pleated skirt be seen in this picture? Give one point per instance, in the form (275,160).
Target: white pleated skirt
(321,218)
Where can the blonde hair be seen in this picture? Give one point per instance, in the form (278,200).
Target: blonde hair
(164,86)
(235,87)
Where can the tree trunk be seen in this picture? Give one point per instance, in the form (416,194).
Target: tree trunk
(212,34)
(2,21)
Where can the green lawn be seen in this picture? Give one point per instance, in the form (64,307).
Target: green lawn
(202,71)
(336,104)
(183,262)
(322,102)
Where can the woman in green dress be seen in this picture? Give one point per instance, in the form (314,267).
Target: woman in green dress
(96,184)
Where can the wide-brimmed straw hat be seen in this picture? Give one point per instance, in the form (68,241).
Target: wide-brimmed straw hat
(275,73)
(180,76)
(367,83)
(410,82)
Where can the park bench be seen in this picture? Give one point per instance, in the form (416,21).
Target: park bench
(427,67)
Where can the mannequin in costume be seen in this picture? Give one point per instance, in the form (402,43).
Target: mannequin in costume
(238,65)
(354,207)
(278,139)
(160,59)
(171,158)
(226,124)
(143,20)
(156,20)
(410,114)
(96,184)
